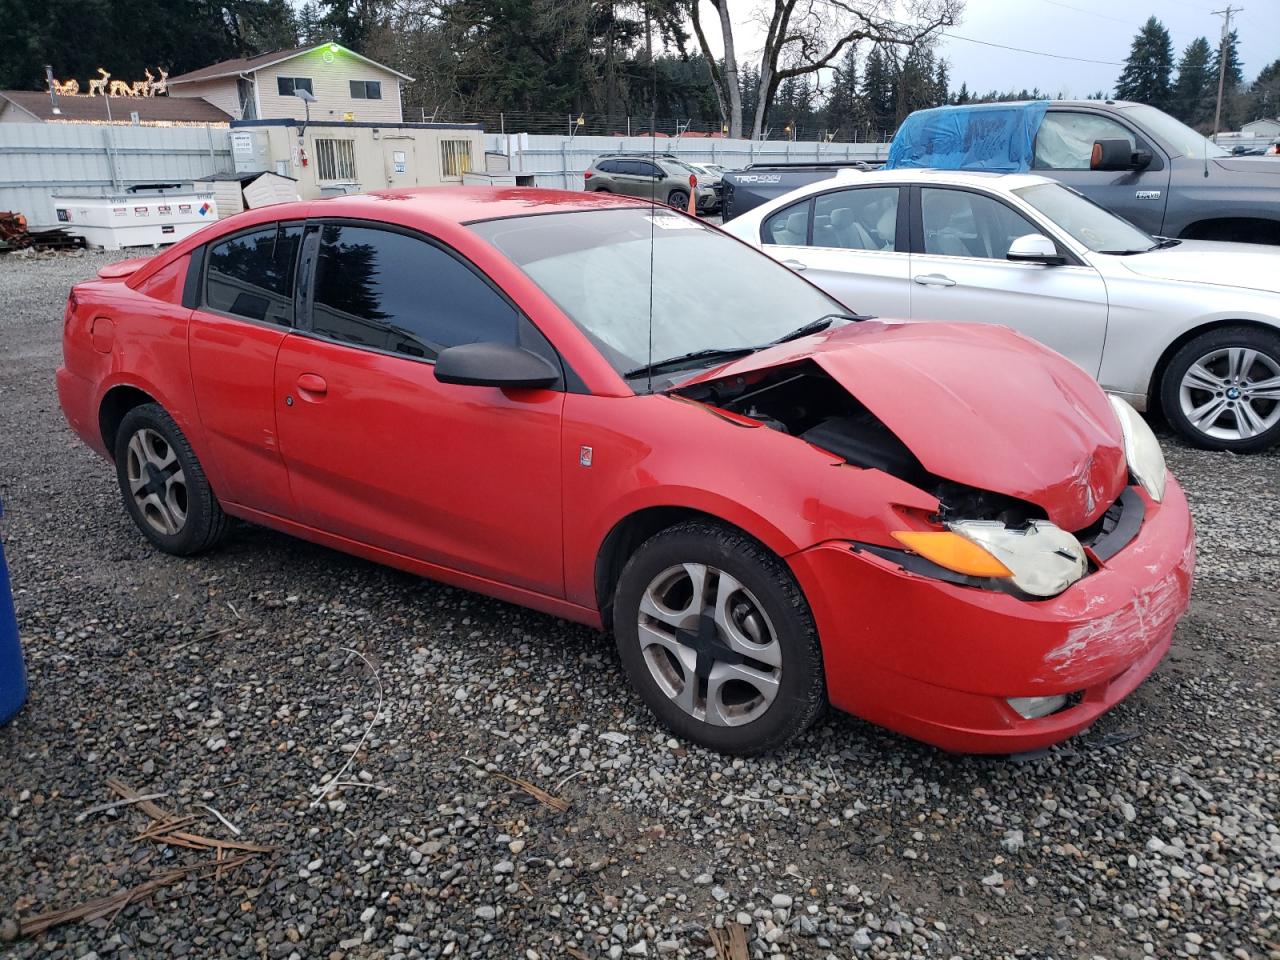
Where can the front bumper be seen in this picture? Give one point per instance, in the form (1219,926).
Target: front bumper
(938,661)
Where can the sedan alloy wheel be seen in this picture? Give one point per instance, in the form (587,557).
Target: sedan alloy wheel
(1232,393)
(156,480)
(718,638)
(709,645)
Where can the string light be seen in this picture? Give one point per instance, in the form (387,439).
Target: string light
(150,87)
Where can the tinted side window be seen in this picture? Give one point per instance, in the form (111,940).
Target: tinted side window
(393,292)
(607,166)
(864,219)
(251,274)
(1065,140)
(789,226)
(958,223)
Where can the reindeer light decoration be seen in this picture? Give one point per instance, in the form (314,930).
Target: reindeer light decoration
(158,87)
(150,87)
(99,86)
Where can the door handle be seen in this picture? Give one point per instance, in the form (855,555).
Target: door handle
(934,280)
(795,265)
(312,383)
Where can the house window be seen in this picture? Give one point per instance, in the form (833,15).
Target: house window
(288,86)
(335,160)
(455,158)
(366,89)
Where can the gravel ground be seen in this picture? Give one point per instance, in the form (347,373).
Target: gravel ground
(1152,835)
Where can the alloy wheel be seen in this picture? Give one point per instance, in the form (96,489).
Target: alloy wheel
(709,645)
(157,482)
(1232,393)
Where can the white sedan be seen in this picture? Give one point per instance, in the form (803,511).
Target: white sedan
(1188,327)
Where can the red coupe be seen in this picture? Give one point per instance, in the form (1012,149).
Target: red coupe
(619,415)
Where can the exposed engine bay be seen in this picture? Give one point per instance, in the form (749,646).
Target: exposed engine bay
(802,400)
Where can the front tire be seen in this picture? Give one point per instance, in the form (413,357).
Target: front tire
(718,639)
(163,485)
(1221,390)
(678,199)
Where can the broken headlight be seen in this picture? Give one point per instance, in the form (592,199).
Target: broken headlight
(1039,559)
(1141,450)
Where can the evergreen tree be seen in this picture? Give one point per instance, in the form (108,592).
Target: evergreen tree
(878,92)
(942,84)
(845,115)
(1147,70)
(1264,93)
(1196,85)
(310,27)
(1233,107)
(962,95)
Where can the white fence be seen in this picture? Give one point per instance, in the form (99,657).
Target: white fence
(39,160)
(558,161)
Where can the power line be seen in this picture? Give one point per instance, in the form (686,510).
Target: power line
(1092,13)
(1036,53)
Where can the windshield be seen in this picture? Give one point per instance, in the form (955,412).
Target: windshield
(1097,229)
(1180,138)
(708,290)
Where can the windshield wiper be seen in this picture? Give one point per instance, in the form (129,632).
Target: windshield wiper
(688,360)
(813,326)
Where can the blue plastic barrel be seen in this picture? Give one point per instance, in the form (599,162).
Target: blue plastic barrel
(13,674)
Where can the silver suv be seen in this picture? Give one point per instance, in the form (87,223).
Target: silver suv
(662,178)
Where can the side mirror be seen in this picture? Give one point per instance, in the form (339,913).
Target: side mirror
(1034,248)
(494,365)
(1117,154)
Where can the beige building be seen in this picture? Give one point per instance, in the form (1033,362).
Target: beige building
(327,157)
(346,86)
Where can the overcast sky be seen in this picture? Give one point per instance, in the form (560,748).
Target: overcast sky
(1092,30)
(1084,29)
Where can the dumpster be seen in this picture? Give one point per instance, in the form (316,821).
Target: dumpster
(13,675)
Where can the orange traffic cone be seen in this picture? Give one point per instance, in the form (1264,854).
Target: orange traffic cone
(693,195)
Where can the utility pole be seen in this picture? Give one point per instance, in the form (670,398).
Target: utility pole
(1222,59)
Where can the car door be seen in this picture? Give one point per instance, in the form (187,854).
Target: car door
(1064,144)
(246,310)
(381,452)
(959,273)
(852,247)
(635,178)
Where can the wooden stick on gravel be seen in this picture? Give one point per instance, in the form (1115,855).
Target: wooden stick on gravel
(101,907)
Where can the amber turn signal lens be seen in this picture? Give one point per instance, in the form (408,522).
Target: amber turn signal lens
(952,551)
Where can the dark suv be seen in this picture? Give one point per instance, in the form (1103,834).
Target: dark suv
(658,177)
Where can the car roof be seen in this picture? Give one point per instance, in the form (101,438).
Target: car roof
(911,175)
(464,204)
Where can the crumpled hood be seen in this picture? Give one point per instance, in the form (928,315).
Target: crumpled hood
(976,404)
(1253,266)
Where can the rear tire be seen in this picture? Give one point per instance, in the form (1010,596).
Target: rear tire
(1221,390)
(718,639)
(163,485)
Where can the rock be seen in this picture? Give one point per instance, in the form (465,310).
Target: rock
(1012,841)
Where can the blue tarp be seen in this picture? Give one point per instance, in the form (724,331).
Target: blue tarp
(999,137)
(13,678)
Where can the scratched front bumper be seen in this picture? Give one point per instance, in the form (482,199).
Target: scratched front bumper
(939,661)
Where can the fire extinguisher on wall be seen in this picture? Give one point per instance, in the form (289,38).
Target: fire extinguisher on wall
(303,160)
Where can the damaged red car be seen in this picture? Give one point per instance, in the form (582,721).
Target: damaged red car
(611,412)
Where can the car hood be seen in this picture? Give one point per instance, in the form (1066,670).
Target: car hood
(976,404)
(1253,266)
